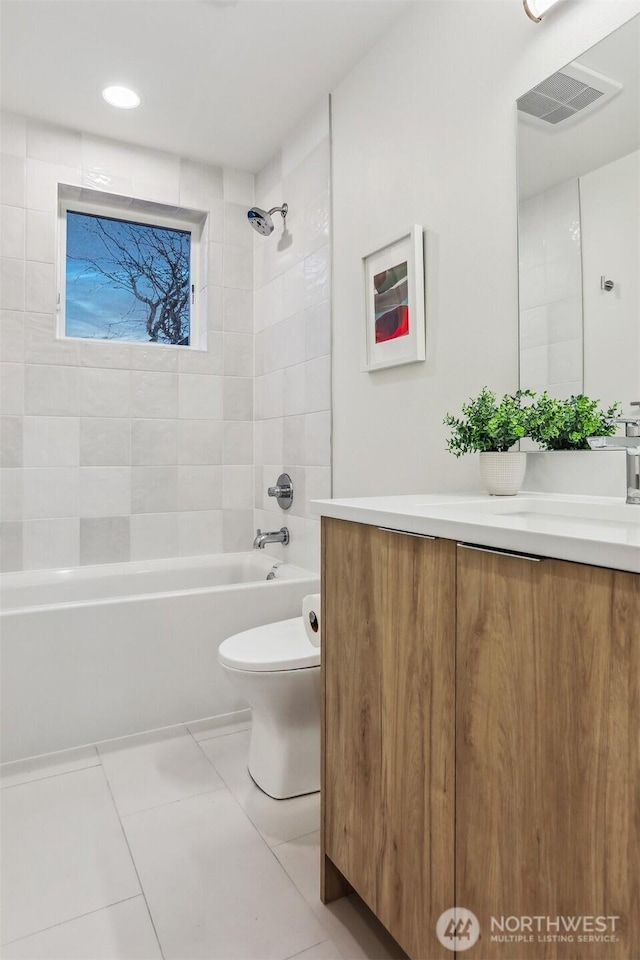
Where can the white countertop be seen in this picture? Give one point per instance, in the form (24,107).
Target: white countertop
(602,531)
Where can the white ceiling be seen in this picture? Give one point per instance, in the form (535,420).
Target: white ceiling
(548,156)
(220,81)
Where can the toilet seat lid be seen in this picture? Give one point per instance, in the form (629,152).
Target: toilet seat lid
(273,646)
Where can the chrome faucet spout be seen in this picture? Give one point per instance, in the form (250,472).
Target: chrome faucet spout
(275,536)
(630,443)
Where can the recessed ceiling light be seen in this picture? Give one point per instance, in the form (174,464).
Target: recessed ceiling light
(121,97)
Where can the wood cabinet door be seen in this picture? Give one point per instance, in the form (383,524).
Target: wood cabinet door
(388,621)
(548,757)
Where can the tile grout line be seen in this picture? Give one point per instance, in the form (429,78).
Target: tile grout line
(35,933)
(135,866)
(52,776)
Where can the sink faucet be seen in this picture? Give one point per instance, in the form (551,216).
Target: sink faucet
(630,443)
(276,536)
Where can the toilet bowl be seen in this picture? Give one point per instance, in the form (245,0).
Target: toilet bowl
(277,670)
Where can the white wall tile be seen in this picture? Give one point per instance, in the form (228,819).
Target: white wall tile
(43,180)
(154,489)
(154,442)
(238,355)
(238,267)
(154,535)
(200,442)
(199,488)
(317,276)
(51,543)
(317,323)
(105,442)
(270,395)
(104,540)
(53,391)
(237,229)
(238,442)
(200,532)
(201,397)
(12,274)
(200,184)
(12,336)
(40,236)
(238,311)
(154,394)
(105,353)
(11,447)
(12,231)
(11,546)
(238,186)
(12,388)
(40,287)
(11,494)
(238,530)
(164,359)
(50,492)
(12,180)
(105,491)
(215,265)
(41,344)
(237,487)
(51,442)
(209,361)
(105,393)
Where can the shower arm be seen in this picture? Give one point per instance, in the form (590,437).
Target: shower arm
(284,209)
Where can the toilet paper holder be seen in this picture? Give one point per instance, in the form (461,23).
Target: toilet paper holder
(283,491)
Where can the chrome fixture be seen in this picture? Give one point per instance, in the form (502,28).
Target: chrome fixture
(261,220)
(606,284)
(276,536)
(536,9)
(283,491)
(630,443)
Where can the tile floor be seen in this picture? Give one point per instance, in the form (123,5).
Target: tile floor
(162,846)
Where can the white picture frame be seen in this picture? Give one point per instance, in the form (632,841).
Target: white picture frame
(395,302)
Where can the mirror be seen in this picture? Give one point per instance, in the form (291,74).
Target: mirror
(579,225)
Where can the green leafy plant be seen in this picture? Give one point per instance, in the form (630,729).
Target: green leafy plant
(487,425)
(566,424)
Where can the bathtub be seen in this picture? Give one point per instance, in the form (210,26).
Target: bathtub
(93,653)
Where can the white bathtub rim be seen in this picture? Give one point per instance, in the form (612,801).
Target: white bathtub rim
(312,580)
(95,572)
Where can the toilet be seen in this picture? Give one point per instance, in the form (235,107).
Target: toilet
(277,670)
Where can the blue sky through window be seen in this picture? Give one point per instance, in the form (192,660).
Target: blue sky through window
(126,280)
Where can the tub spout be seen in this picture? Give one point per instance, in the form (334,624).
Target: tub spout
(276,536)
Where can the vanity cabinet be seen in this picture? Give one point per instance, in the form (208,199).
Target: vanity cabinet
(481,743)
(388,727)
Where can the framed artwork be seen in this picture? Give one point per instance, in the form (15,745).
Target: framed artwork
(394,292)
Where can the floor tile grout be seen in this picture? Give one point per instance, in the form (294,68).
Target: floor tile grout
(52,776)
(107,906)
(135,866)
(169,803)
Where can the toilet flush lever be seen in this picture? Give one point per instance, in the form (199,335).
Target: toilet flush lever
(283,491)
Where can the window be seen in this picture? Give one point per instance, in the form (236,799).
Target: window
(127,279)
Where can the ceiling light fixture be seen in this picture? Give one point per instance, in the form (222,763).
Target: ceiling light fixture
(536,9)
(121,97)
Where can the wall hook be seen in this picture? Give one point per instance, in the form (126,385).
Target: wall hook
(606,284)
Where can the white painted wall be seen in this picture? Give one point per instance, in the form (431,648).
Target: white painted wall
(610,201)
(424,131)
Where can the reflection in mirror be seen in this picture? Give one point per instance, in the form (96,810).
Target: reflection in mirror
(579,225)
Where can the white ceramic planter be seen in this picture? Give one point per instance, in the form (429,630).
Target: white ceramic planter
(502,473)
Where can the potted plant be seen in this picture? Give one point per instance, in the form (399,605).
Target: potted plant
(566,424)
(492,428)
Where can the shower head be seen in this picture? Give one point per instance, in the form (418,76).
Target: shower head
(261,220)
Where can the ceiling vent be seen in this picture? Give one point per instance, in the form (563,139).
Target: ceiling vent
(572,92)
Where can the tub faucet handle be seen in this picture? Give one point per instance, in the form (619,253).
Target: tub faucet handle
(283,491)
